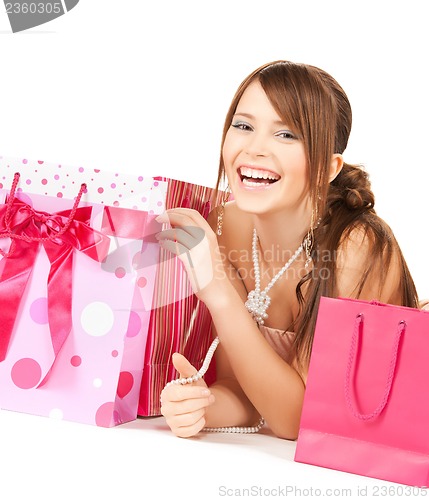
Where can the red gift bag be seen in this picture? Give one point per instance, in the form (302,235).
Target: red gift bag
(365,407)
(179,322)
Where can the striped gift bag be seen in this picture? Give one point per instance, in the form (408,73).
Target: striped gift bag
(179,321)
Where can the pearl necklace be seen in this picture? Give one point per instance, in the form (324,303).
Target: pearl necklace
(200,373)
(258,302)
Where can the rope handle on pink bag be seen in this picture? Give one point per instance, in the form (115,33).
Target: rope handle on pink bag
(391,373)
(13,236)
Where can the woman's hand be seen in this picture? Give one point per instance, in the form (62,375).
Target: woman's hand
(184,406)
(195,244)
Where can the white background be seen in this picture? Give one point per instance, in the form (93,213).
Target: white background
(143,87)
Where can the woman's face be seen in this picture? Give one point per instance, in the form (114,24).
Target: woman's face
(264,160)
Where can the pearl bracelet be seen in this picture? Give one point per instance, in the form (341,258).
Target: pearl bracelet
(237,430)
(199,375)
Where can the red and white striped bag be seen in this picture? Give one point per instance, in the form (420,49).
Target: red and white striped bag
(179,321)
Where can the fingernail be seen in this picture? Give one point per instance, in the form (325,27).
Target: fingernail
(205,392)
(162,218)
(211,399)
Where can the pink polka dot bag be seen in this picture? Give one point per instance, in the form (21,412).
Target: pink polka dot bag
(77,271)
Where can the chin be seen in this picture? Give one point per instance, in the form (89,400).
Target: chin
(254,206)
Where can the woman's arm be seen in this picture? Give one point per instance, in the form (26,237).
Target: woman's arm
(271,385)
(252,374)
(233,407)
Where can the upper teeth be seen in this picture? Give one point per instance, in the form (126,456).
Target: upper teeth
(258,174)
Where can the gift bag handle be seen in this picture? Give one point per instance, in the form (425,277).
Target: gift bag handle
(349,375)
(8,232)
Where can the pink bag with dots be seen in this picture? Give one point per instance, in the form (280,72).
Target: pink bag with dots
(77,274)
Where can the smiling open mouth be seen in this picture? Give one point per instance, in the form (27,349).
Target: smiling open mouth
(255,177)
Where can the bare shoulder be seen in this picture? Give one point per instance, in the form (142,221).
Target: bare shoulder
(365,267)
(362,243)
(354,246)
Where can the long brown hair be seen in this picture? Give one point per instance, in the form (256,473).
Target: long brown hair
(314,105)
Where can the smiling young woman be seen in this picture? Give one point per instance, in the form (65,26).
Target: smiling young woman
(264,159)
(305,219)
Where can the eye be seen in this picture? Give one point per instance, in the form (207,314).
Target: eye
(242,126)
(286,134)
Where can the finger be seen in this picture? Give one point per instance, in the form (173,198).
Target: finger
(187,238)
(189,227)
(183,366)
(171,408)
(178,392)
(186,419)
(183,217)
(191,430)
(174,247)
(190,230)
(198,233)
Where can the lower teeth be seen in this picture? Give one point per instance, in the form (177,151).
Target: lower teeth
(260,182)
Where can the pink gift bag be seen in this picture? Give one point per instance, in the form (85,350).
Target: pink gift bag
(365,407)
(76,289)
(179,321)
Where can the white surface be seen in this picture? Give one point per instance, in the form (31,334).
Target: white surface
(46,459)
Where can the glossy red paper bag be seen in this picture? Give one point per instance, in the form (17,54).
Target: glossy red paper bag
(179,321)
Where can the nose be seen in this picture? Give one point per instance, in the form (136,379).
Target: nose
(257,145)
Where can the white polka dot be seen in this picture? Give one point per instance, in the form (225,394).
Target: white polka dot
(97,319)
(56,413)
(97,382)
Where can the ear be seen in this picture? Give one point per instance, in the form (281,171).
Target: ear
(337,163)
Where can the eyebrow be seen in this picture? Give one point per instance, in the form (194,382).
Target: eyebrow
(251,117)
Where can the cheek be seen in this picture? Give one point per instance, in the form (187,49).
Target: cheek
(293,160)
(295,168)
(300,170)
(300,177)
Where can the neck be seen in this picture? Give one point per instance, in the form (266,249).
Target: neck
(282,231)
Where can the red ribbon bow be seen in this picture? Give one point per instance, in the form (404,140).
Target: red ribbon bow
(60,234)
